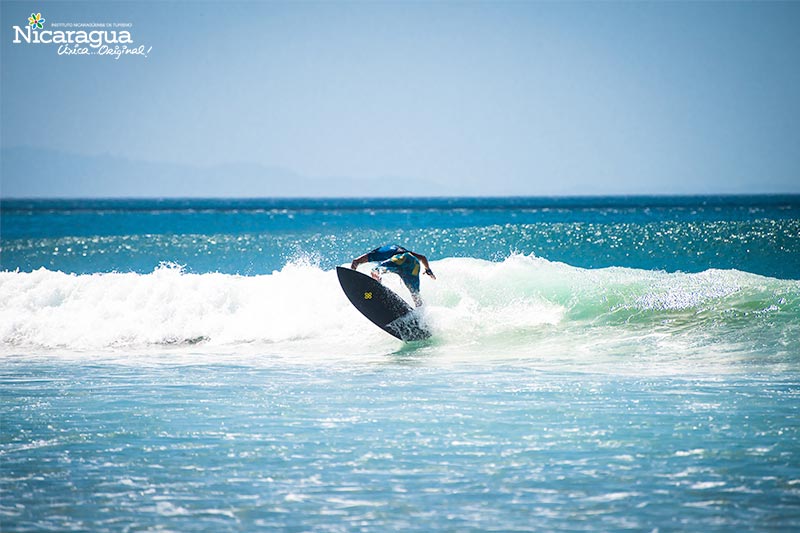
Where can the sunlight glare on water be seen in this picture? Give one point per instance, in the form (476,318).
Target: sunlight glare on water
(595,365)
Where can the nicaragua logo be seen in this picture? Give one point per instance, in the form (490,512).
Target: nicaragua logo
(36,21)
(79,41)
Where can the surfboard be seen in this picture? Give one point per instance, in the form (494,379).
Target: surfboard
(382,306)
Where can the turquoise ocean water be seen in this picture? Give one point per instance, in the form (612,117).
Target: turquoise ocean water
(597,364)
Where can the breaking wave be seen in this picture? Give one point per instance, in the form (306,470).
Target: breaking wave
(522,307)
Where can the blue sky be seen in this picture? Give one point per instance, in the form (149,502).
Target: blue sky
(445,98)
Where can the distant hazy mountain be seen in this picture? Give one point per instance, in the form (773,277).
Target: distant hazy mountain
(37,173)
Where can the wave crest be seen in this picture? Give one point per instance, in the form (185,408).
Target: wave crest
(521,305)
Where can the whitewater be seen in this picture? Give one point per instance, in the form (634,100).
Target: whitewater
(596,364)
(524,308)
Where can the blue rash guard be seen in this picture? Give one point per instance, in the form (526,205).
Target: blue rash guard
(385,252)
(400,261)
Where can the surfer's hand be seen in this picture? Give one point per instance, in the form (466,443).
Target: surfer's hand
(375,275)
(354,265)
(429,272)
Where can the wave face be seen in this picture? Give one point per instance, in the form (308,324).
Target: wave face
(546,312)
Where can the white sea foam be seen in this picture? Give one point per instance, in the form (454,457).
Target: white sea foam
(521,307)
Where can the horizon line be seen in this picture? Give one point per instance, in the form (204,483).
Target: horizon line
(588,196)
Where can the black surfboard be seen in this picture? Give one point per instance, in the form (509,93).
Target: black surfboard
(382,306)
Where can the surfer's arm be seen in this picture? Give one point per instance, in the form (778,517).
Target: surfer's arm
(424,260)
(358,260)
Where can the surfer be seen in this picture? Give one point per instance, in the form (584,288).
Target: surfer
(396,259)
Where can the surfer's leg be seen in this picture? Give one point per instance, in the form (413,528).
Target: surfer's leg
(412,283)
(417,298)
